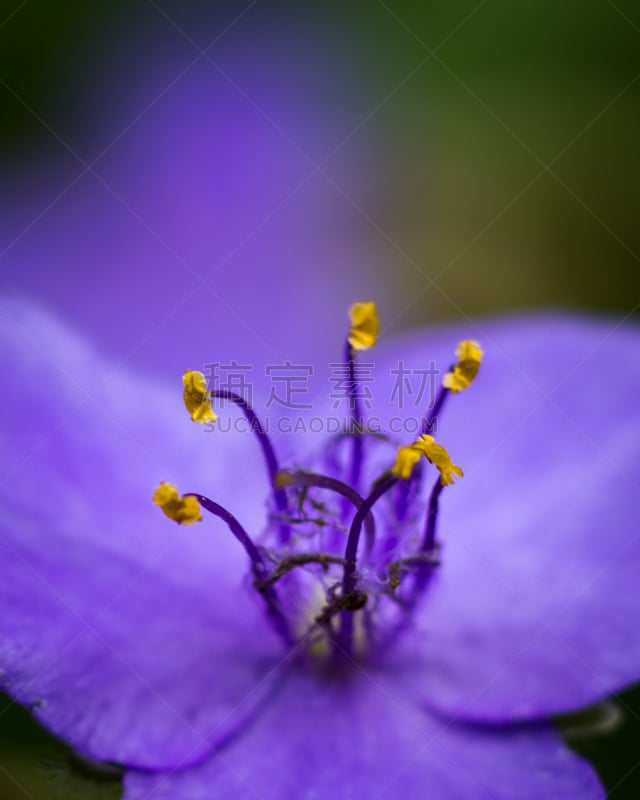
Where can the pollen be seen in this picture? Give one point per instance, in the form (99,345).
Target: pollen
(469,355)
(406,460)
(436,454)
(183,510)
(364,325)
(196,397)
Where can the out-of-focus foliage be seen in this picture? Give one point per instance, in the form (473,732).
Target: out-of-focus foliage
(34,766)
(510,153)
(507,173)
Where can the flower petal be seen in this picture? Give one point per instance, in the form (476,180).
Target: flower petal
(125,633)
(536,604)
(358,739)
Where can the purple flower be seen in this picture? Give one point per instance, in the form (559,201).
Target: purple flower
(429,670)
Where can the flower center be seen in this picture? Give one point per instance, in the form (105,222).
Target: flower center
(350,549)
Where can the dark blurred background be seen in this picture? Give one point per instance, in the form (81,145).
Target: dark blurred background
(475,157)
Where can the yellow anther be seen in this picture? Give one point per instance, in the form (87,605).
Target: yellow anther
(196,397)
(406,460)
(469,355)
(436,454)
(440,458)
(364,325)
(183,510)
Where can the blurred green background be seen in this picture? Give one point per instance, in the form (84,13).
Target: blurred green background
(506,171)
(502,171)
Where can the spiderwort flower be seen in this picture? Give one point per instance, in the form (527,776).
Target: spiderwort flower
(416,646)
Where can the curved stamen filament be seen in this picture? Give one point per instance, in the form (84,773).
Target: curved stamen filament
(431,416)
(279,495)
(357,419)
(351,552)
(310,479)
(351,555)
(460,376)
(258,566)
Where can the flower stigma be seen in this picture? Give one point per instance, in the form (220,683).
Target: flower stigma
(350,548)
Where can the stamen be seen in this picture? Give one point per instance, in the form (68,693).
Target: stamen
(364,325)
(196,397)
(469,354)
(460,376)
(353,540)
(258,565)
(432,414)
(409,455)
(351,553)
(356,591)
(273,468)
(257,561)
(362,335)
(309,479)
(183,510)
(357,419)
(406,459)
